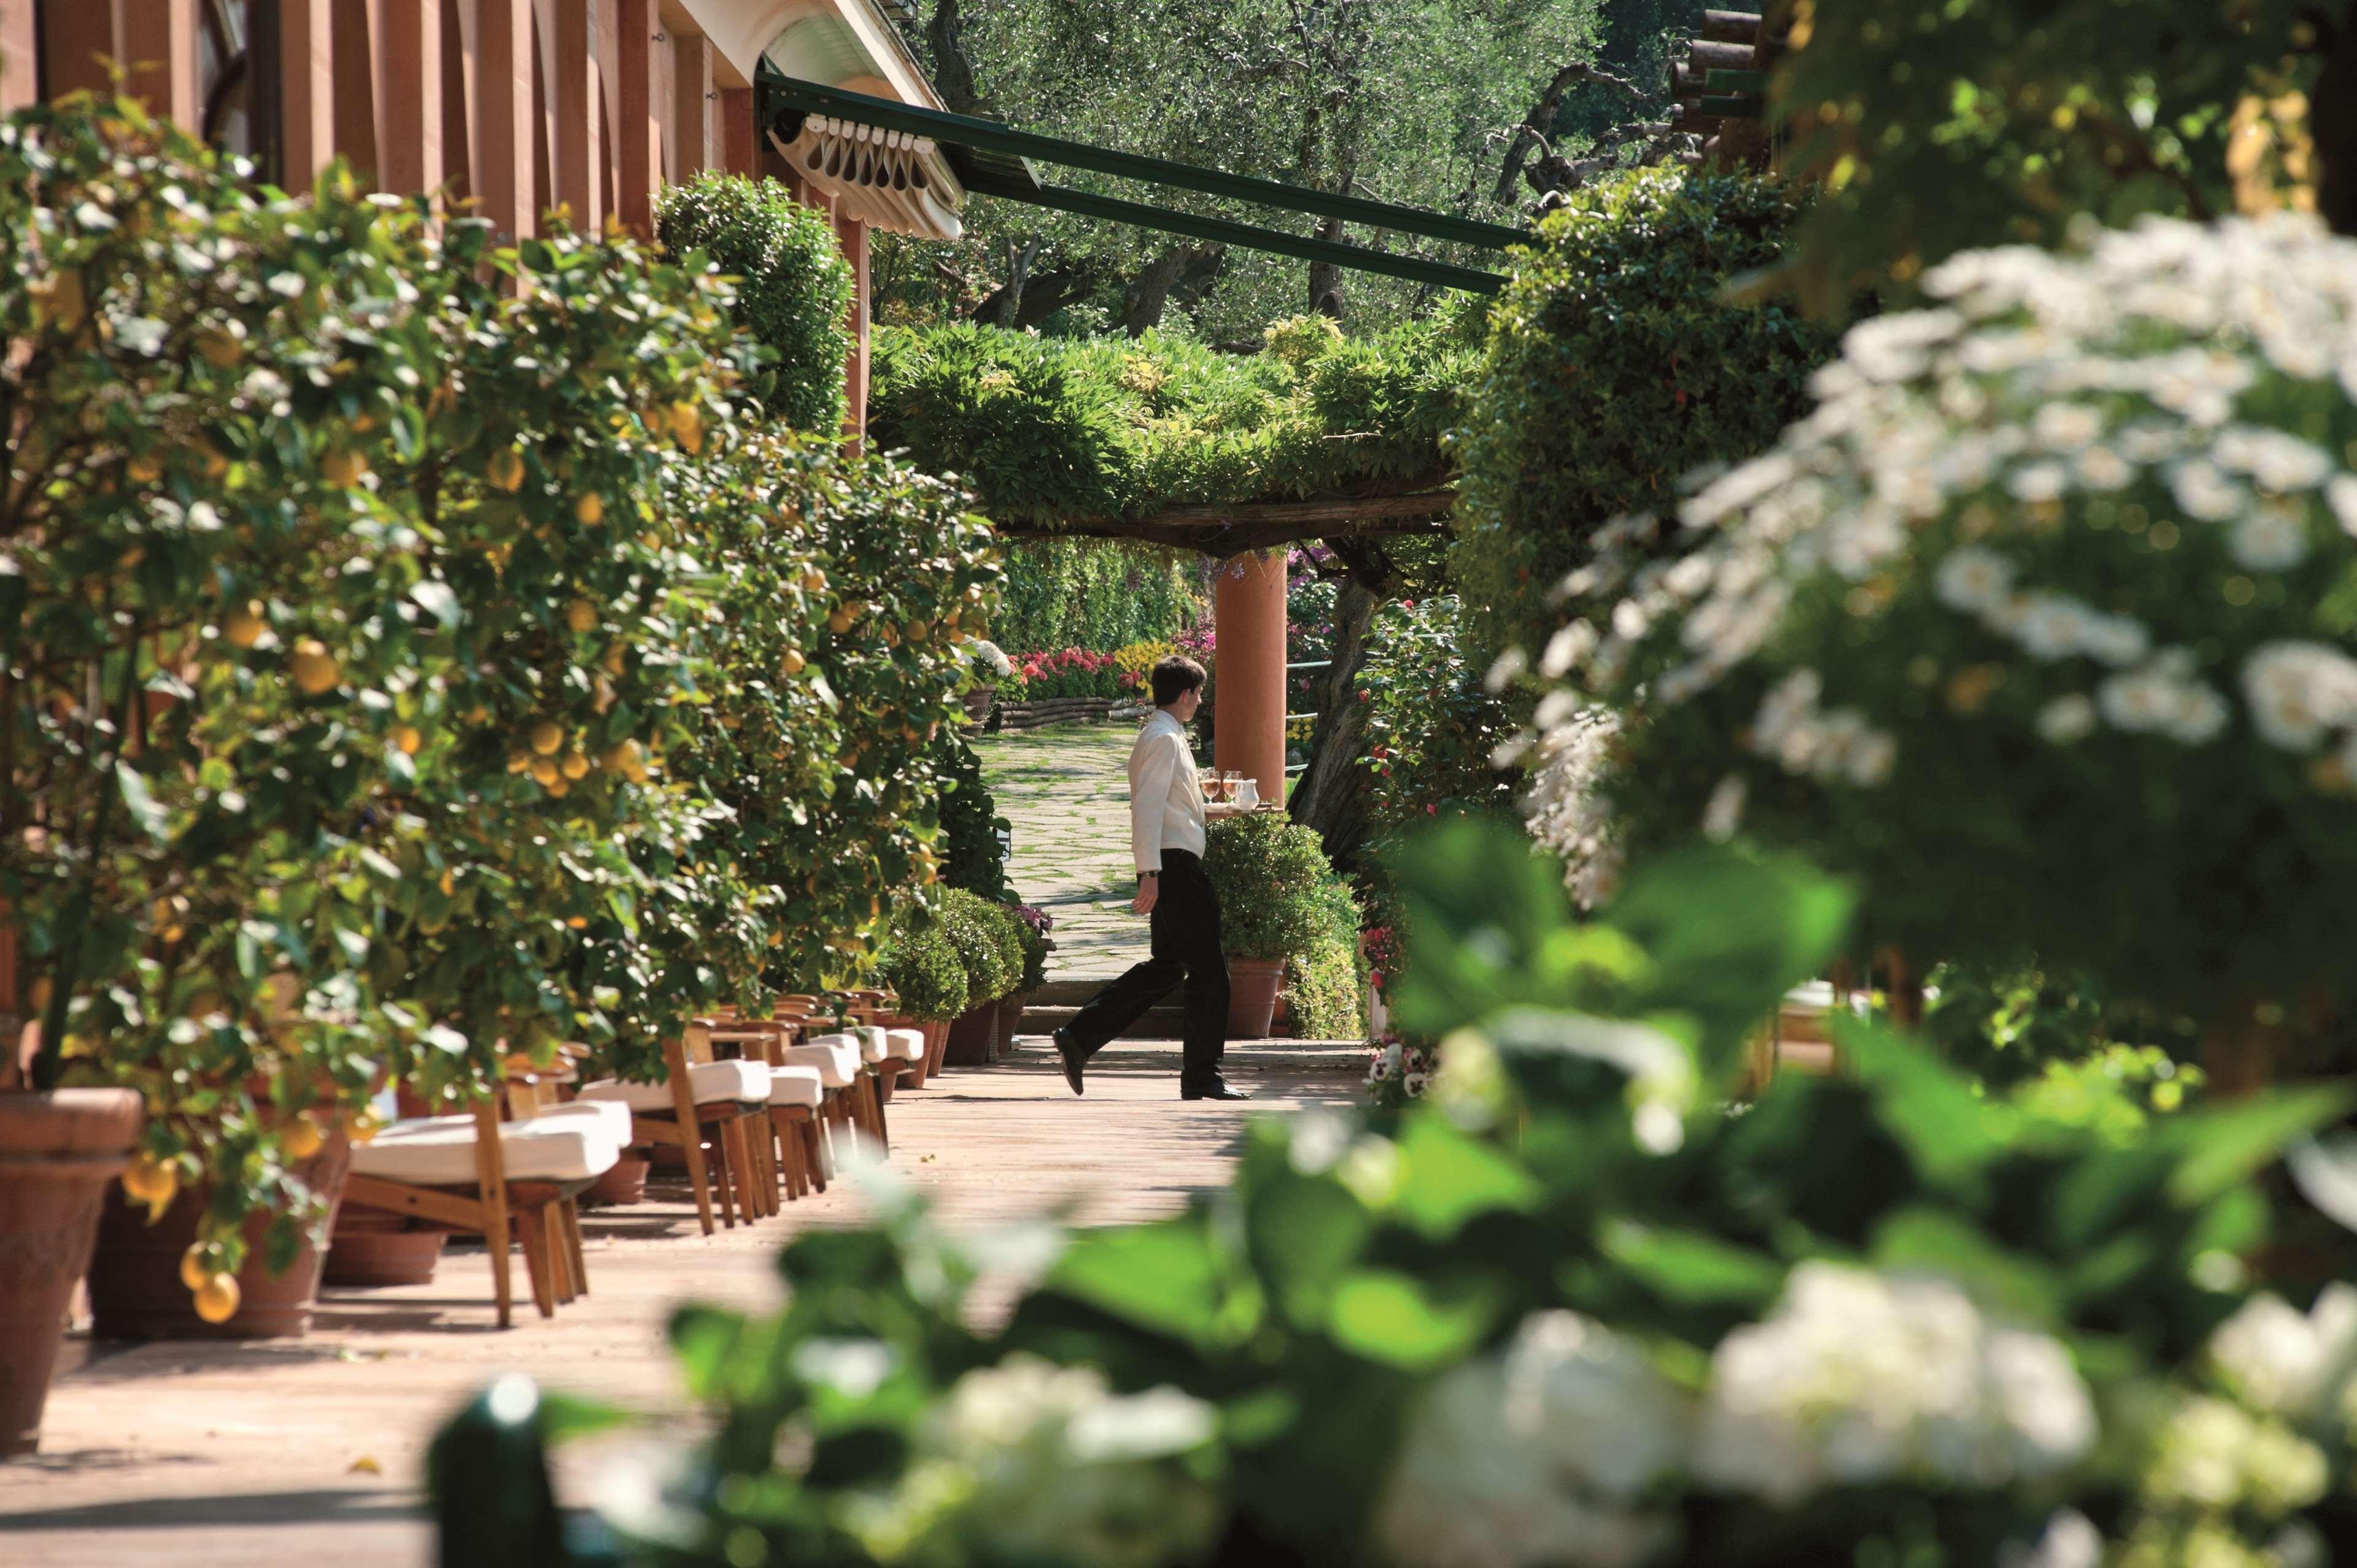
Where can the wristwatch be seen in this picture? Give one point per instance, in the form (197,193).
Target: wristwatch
(1144,875)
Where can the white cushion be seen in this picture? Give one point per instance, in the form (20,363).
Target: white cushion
(873,1047)
(709,1082)
(796,1086)
(611,1114)
(904,1045)
(836,1057)
(439,1151)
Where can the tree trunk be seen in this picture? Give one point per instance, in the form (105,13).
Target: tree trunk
(953,71)
(1325,278)
(1006,302)
(1149,292)
(1331,795)
(2332,120)
(1046,292)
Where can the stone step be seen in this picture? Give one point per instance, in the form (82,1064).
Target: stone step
(1159,1023)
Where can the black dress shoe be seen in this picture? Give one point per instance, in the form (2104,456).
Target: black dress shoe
(1219,1090)
(1074,1059)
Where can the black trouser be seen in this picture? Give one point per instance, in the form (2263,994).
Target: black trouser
(1186,922)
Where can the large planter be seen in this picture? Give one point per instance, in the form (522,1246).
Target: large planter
(977,703)
(1252,985)
(973,1037)
(1010,1014)
(60,1153)
(135,1276)
(624,1183)
(937,1039)
(371,1248)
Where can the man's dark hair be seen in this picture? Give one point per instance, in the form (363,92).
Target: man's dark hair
(1174,677)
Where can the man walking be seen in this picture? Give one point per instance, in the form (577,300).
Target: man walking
(1167,814)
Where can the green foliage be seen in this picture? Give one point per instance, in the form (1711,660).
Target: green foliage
(793,286)
(921,964)
(971,856)
(1093,592)
(1937,127)
(1616,364)
(1772,1337)
(1278,894)
(1051,430)
(991,950)
(1326,988)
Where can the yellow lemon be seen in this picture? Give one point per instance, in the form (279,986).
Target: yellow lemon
(575,766)
(547,738)
(302,1138)
(815,581)
(505,468)
(612,662)
(145,469)
(588,510)
(343,470)
(687,426)
(581,616)
(519,762)
(217,1299)
(560,786)
(622,758)
(364,1125)
(243,628)
(449,884)
(545,772)
(221,347)
(917,631)
(792,663)
(839,622)
(576,923)
(406,738)
(152,1182)
(315,673)
(197,1266)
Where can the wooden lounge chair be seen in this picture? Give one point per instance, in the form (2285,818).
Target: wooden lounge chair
(475,1172)
(702,1098)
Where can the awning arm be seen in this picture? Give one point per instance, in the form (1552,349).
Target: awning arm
(780,92)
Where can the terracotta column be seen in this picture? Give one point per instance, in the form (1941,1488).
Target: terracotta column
(75,42)
(1248,613)
(738,140)
(695,108)
(852,235)
(580,149)
(306,91)
(644,71)
(20,64)
(502,179)
(157,39)
(406,77)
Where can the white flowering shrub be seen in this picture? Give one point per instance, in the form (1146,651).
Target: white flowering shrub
(1400,1071)
(2043,624)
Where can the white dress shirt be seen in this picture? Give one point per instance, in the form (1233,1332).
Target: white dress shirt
(1166,797)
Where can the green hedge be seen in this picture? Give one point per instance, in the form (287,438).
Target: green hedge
(969,821)
(1326,988)
(1280,897)
(1616,364)
(921,964)
(991,949)
(1047,430)
(793,287)
(1093,592)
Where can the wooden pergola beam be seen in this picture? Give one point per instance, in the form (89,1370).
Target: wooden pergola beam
(1225,530)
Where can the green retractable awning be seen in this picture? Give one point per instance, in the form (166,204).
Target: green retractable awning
(996,160)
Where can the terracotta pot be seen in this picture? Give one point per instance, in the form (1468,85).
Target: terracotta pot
(1252,985)
(937,1039)
(135,1276)
(1010,1014)
(977,703)
(372,1248)
(972,1036)
(624,1183)
(60,1153)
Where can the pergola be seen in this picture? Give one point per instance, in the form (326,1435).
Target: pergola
(927,159)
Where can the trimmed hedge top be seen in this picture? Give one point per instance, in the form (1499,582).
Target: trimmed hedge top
(793,287)
(1053,430)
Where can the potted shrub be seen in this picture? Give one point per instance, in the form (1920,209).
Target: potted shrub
(184,768)
(1028,947)
(991,967)
(987,668)
(921,965)
(1272,877)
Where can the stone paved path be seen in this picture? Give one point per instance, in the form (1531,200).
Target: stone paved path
(310,1451)
(1066,790)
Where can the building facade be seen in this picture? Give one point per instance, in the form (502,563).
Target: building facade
(519,107)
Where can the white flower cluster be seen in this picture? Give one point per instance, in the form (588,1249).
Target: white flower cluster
(1972,444)
(1560,1449)
(988,661)
(1028,1461)
(1860,1377)
(1538,1457)
(1566,809)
